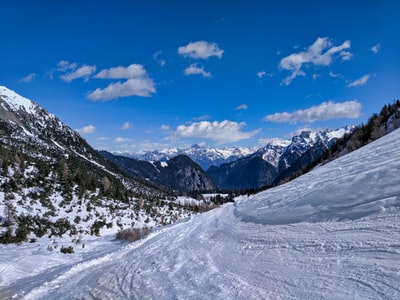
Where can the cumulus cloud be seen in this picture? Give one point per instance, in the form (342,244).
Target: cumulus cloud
(138,83)
(360,81)
(83,72)
(89,129)
(193,69)
(165,127)
(200,50)
(241,107)
(320,53)
(132,71)
(28,78)
(375,49)
(143,87)
(325,111)
(222,132)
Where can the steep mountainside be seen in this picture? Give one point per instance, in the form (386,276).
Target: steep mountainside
(267,164)
(53,182)
(204,156)
(178,173)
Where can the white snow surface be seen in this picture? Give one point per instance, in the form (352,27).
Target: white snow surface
(333,233)
(16,101)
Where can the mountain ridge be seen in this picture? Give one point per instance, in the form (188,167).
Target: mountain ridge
(178,173)
(263,167)
(53,182)
(204,156)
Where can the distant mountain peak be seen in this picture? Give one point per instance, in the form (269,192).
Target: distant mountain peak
(268,162)
(204,156)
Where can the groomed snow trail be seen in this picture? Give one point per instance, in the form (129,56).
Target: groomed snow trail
(333,233)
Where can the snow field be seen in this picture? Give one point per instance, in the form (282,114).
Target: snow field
(333,233)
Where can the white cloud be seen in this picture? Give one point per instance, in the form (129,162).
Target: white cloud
(241,107)
(165,127)
(64,66)
(157,58)
(325,111)
(126,126)
(320,53)
(83,72)
(193,69)
(222,132)
(138,83)
(143,86)
(28,78)
(121,140)
(201,50)
(273,141)
(132,71)
(262,74)
(346,55)
(89,129)
(375,49)
(359,82)
(336,75)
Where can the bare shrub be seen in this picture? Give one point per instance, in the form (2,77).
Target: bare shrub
(133,234)
(67,250)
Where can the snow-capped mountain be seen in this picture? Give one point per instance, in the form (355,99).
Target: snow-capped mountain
(204,156)
(53,182)
(266,164)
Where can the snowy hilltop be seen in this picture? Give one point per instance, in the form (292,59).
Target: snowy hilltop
(333,233)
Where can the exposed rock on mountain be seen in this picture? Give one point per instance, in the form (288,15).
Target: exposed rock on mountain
(267,165)
(179,173)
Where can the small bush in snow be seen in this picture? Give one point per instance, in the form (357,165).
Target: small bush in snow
(133,234)
(67,250)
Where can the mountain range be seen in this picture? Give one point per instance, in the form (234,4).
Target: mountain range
(53,182)
(267,165)
(178,173)
(203,156)
(232,168)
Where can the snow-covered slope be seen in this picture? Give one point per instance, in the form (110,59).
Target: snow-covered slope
(333,233)
(52,182)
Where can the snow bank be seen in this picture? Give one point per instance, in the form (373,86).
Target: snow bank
(361,183)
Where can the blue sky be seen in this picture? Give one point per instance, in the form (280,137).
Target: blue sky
(145,75)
